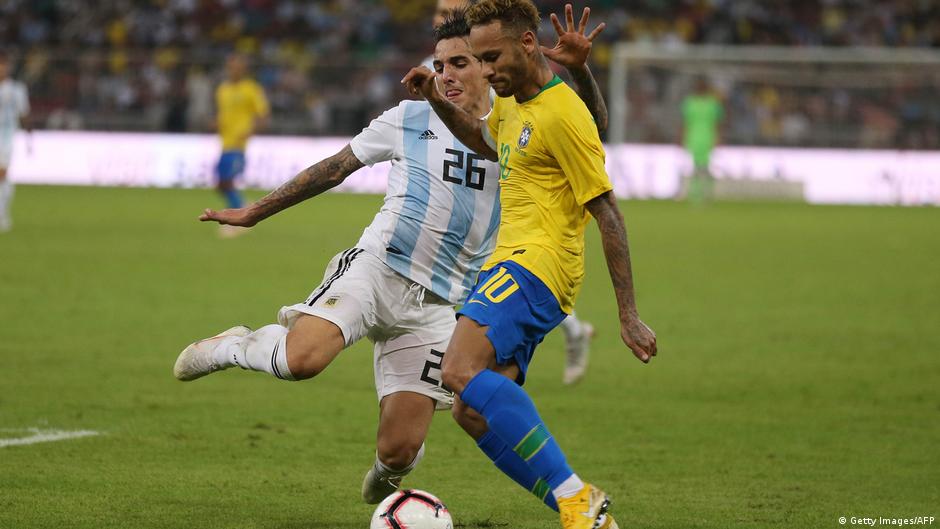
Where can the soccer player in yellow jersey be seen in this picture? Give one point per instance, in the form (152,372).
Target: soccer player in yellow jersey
(552,180)
(571,52)
(242,109)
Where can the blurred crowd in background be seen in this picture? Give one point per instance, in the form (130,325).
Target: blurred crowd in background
(329,66)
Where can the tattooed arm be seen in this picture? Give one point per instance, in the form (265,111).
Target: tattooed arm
(308,183)
(422,82)
(590,93)
(635,334)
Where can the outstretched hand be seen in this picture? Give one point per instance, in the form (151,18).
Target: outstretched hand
(639,338)
(422,82)
(573,46)
(233,217)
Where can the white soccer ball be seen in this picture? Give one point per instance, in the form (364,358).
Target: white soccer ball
(411,509)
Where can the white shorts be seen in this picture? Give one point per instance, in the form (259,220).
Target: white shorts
(409,325)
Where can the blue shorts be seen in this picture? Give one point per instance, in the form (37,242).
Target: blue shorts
(231,164)
(519,310)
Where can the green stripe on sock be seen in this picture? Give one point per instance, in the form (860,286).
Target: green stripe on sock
(541,489)
(532,442)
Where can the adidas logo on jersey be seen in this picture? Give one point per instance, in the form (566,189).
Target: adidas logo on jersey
(427,135)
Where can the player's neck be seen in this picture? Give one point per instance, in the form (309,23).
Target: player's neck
(541,76)
(479,109)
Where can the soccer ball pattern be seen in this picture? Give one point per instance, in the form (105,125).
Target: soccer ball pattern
(411,509)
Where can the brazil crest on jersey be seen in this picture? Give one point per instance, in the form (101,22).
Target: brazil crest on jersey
(551,164)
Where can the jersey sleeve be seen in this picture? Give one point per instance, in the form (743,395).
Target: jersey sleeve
(376,143)
(577,148)
(490,129)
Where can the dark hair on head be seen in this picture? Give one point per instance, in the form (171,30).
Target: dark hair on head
(454,25)
(521,15)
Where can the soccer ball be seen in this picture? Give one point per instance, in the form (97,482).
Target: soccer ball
(411,509)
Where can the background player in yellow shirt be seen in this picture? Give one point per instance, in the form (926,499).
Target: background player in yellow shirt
(552,179)
(242,109)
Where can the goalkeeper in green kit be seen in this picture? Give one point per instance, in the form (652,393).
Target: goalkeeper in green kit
(702,113)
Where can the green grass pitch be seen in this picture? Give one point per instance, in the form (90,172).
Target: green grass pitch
(797,379)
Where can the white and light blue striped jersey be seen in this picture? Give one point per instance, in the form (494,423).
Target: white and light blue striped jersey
(441,212)
(14,104)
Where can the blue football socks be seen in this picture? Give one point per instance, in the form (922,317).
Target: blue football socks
(232,198)
(516,468)
(512,417)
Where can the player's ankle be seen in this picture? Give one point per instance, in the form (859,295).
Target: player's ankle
(226,353)
(568,488)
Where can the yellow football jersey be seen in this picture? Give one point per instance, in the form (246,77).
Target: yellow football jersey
(551,163)
(239,104)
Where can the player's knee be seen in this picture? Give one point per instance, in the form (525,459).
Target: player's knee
(460,412)
(304,362)
(455,377)
(397,453)
(312,344)
(472,422)
(306,358)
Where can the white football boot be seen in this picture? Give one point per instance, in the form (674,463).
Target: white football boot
(375,488)
(197,360)
(577,353)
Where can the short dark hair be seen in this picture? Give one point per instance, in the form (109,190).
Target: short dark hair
(454,25)
(521,15)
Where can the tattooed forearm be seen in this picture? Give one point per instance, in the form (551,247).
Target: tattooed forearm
(468,129)
(614,238)
(308,183)
(590,93)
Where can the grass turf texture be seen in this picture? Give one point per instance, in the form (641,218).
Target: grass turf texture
(797,379)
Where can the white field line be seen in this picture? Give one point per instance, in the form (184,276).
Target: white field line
(45,436)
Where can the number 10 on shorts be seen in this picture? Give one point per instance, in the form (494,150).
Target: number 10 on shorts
(499,286)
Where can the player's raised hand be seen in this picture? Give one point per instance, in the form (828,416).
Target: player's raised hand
(234,217)
(573,46)
(639,338)
(422,82)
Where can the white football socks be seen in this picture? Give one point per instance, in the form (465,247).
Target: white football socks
(568,488)
(6,197)
(572,327)
(263,350)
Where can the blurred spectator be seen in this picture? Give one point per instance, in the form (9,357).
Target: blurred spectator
(331,64)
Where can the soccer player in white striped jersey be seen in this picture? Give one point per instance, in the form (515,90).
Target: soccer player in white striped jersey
(398,286)
(14,111)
